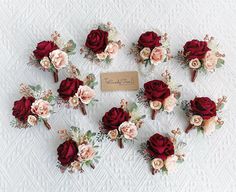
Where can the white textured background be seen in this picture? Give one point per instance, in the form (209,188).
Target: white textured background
(28,157)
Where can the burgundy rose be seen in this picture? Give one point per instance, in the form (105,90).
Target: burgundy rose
(156,90)
(113,118)
(67,152)
(204,107)
(44,48)
(22,108)
(97,40)
(160,147)
(149,39)
(195,49)
(69,87)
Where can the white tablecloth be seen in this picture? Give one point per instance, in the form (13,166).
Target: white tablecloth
(28,157)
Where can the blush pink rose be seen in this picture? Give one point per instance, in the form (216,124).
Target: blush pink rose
(85,152)
(86,94)
(41,108)
(210,61)
(129,130)
(169,103)
(157,55)
(112,49)
(59,58)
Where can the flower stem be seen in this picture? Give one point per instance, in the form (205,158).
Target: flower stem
(193,74)
(120,143)
(190,126)
(154,113)
(47,124)
(153,171)
(82,107)
(92,166)
(55,75)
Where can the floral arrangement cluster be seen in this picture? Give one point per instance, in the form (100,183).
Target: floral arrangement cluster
(159,95)
(162,152)
(152,48)
(203,114)
(34,107)
(52,55)
(102,44)
(202,56)
(77,150)
(121,124)
(74,92)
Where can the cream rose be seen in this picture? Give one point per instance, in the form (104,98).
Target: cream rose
(209,125)
(158,55)
(85,152)
(196,120)
(169,103)
(157,163)
(112,49)
(85,93)
(59,58)
(170,163)
(75,166)
(156,105)
(102,56)
(32,120)
(45,62)
(74,101)
(129,130)
(41,108)
(145,53)
(113,134)
(210,61)
(194,64)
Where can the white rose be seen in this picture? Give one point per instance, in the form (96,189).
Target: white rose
(45,62)
(32,120)
(210,61)
(156,105)
(102,55)
(59,58)
(157,163)
(113,134)
(209,125)
(196,120)
(169,103)
(129,130)
(145,53)
(85,93)
(158,55)
(112,49)
(41,108)
(170,163)
(194,64)
(74,101)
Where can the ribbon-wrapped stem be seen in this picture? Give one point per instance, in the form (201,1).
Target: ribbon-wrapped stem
(190,126)
(82,107)
(47,124)
(120,143)
(193,74)
(154,114)
(55,75)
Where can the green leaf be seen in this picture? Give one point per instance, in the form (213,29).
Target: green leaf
(132,107)
(70,47)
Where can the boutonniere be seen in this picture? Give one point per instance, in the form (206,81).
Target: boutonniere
(164,152)
(121,123)
(151,49)
(203,114)
(52,55)
(35,106)
(102,44)
(159,95)
(77,150)
(75,92)
(201,56)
